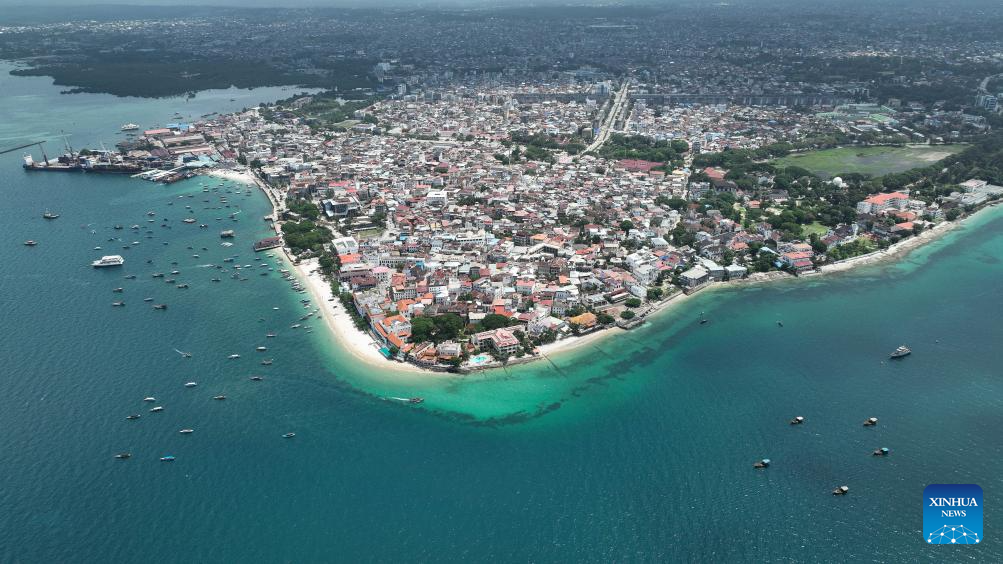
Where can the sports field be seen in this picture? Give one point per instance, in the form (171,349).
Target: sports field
(868,160)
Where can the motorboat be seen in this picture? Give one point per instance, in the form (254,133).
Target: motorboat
(186,431)
(288,435)
(871,421)
(256,378)
(883,451)
(764,463)
(30,243)
(233,356)
(901,352)
(841,490)
(219,398)
(191,384)
(123,455)
(156,409)
(797,420)
(162,306)
(167,458)
(149,398)
(131,417)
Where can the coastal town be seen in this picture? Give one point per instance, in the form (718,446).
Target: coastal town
(466,228)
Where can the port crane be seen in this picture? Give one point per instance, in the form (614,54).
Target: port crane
(40,147)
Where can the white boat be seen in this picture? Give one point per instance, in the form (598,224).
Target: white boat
(186,431)
(129,127)
(232,356)
(150,398)
(109,260)
(191,384)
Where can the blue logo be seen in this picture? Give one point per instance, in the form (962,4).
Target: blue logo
(952,514)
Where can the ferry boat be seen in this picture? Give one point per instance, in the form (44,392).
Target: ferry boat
(129,127)
(900,352)
(109,260)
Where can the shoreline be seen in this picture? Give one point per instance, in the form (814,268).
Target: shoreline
(363,347)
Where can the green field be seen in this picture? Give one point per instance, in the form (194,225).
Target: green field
(868,160)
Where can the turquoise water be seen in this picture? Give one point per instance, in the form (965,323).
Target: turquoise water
(634,449)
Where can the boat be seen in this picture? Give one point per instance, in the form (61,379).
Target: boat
(123,455)
(117,304)
(50,215)
(182,353)
(129,127)
(167,458)
(900,352)
(256,378)
(841,490)
(871,421)
(156,409)
(229,233)
(702,321)
(288,435)
(266,362)
(130,277)
(191,384)
(270,335)
(780,323)
(219,398)
(186,431)
(147,299)
(261,349)
(183,286)
(797,420)
(764,463)
(883,451)
(109,260)
(233,356)
(415,400)
(30,243)
(131,417)
(164,306)
(215,280)
(118,290)
(189,220)
(149,398)
(158,275)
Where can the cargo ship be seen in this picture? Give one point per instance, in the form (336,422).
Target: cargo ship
(78,163)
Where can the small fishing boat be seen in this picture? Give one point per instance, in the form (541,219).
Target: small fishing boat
(50,215)
(131,417)
(149,398)
(841,490)
(261,349)
(883,451)
(256,378)
(266,362)
(780,323)
(158,275)
(183,286)
(123,455)
(184,354)
(233,356)
(164,306)
(764,463)
(186,431)
(191,384)
(288,435)
(270,335)
(117,304)
(156,409)
(703,321)
(130,277)
(147,299)
(797,420)
(219,398)
(871,421)
(167,458)
(118,290)
(30,243)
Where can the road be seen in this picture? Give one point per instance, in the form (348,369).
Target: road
(984,86)
(606,127)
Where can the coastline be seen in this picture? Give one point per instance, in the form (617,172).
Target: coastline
(362,347)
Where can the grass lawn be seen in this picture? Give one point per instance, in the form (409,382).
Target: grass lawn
(875,161)
(815,227)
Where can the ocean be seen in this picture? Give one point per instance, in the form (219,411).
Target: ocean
(633,448)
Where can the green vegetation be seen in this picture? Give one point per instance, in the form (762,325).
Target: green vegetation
(303,208)
(859,247)
(348,301)
(572,146)
(669,153)
(875,161)
(437,329)
(627,314)
(493,321)
(305,235)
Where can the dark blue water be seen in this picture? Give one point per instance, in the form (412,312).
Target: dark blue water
(635,449)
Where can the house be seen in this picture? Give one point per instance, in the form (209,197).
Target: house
(882,202)
(501,341)
(694,277)
(586,320)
